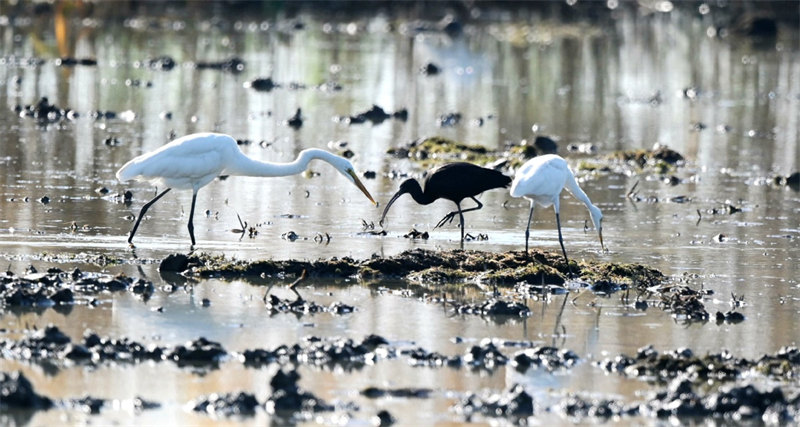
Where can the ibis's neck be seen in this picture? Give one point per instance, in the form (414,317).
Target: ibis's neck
(245,166)
(416,193)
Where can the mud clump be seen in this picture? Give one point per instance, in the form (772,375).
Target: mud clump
(198,352)
(714,367)
(58,288)
(423,358)
(376,115)
(486,356)
(288,398)
(549,358)
(495,307)
(16,392)
(413,393)
(437,149)
(227,404)
(577,407)
(232,65)
(738,402)
(343,353)
(45,112)
(514,403)
(302,306)
(507,268)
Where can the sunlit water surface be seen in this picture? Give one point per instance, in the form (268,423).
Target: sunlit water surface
(578,82)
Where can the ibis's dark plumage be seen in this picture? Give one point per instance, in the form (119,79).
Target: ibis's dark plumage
(454,182)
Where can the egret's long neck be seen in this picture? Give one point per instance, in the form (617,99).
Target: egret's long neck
(245,166)
(577,191)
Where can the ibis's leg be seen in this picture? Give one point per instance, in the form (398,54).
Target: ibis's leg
(451,215)
(528,228)
(191,217)
(142,212)
(461,220)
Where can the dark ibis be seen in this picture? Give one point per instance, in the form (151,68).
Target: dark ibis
(454,182)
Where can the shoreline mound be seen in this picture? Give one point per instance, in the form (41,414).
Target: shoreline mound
(429,267)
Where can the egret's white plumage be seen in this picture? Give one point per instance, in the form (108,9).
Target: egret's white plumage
(541,180)
(193,161)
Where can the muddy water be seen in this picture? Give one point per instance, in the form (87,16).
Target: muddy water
(617,84)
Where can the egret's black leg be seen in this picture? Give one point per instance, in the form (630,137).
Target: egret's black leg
(191,217)
(561,240)
(142,212)
(449,217)
(528,228)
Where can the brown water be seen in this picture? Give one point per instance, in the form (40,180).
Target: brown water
(617,84)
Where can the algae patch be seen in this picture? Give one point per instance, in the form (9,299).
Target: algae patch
(433,267)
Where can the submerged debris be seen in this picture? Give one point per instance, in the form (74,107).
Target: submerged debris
(232,65)
(18,393)
(288,398)
(331,352)
(58,288)
(549,358)
(376,115)
(299,305)
(227,404)
(495,307)
(513,403)
(45,112)
(651,365)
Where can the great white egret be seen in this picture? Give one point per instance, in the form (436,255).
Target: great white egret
(454,182)
(541,180)
(193,161)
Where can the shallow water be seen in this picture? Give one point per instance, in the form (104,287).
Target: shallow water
(617,84)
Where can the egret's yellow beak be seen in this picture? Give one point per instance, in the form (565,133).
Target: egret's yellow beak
(600,233)
(360,186)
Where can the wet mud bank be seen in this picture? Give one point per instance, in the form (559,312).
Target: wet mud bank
(428,268)
(534,275)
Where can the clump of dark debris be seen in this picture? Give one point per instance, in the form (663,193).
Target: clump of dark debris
(495,307)
(376,115)
(18,393)
(288,398)
(514,403)
(549,358)
(301,306)
(323,352)
(58,288)
(45,112)
(227,404)
(651,365)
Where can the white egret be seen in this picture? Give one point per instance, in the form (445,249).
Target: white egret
(193,161)
(541,180)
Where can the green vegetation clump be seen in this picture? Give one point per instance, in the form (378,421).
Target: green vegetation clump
(430,267)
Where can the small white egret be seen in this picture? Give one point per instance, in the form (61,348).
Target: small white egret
(193,161)
(541,180)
